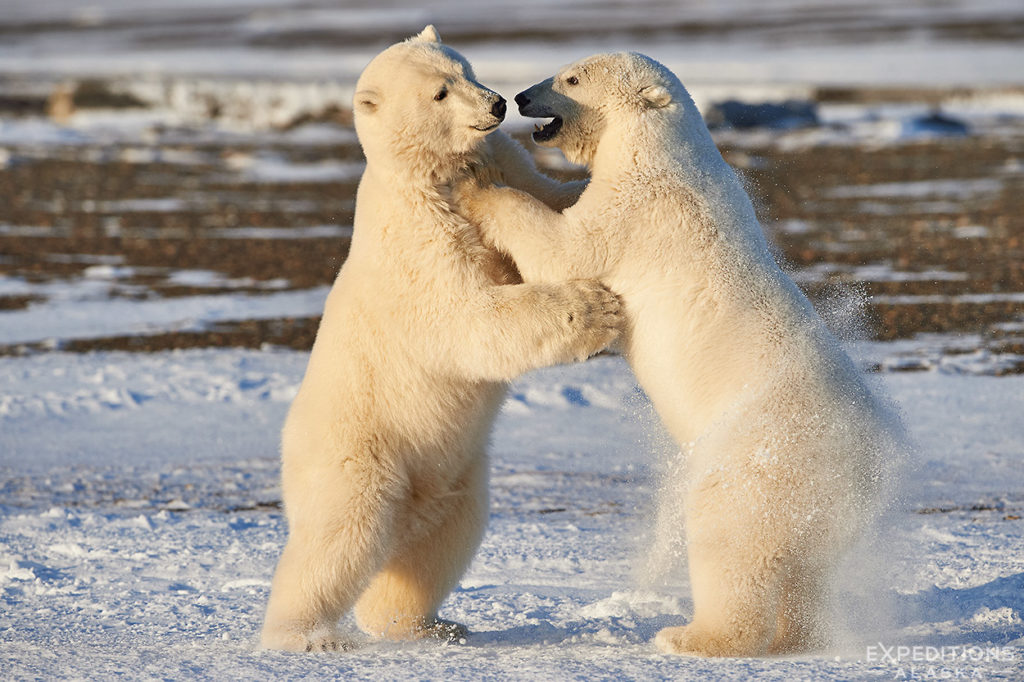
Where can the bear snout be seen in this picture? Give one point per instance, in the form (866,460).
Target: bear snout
(522,100)
(499,108)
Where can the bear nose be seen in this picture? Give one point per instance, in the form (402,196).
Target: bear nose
(498,108)
(522,100)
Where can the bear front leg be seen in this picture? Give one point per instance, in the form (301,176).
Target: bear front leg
(540,241)
(334,547)
(511,329)
(402,600)
(514,166)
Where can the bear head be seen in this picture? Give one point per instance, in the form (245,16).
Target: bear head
(419,108)
(583,99)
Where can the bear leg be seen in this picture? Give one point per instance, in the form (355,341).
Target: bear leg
(325,564)
(735,607)
(401,601)
(802,622)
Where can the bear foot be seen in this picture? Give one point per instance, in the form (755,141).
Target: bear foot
(445,631)
(676,640)
(689,641)
(321,639)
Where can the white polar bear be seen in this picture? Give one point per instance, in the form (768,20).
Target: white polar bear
(384,472)
(784,443)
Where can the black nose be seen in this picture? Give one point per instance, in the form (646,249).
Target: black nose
(498,108)
(522,100)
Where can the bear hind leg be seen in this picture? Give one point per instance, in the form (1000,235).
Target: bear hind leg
(401,601)
(802,620)
(303,607)
(735,609)
(322,569)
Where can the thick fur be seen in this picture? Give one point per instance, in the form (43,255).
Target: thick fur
(384,471)
(783,442)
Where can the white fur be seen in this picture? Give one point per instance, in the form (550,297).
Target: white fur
(384,471)
(784,443)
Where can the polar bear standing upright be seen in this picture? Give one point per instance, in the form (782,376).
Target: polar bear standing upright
(384,471)
(784,442)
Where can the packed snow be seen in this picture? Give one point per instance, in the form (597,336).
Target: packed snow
(139,529)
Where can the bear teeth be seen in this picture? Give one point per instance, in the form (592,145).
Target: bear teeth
(537,127)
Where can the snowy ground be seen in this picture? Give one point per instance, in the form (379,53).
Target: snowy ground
(139,530)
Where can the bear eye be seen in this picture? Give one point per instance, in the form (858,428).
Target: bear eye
(572,80)
(441,94)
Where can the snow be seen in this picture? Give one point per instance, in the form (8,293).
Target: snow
(910,299)
(954,188)
(272,169)
(138,530)
(879,272)
(306,232)
(167,204)
(81,308)
(266,63)
(213,279)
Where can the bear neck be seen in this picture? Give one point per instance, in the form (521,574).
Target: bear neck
(422,204)
(678,152)
(679,147)
(411,166)
(404,186)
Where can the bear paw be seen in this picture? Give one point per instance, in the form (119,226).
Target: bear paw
(445,631)
(321,639)
(466,192)
(692,641)
(594,316)
(679,640)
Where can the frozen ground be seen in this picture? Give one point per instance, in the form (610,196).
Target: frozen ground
(139,530)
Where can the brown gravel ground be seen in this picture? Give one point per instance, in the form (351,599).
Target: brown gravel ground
(73,199)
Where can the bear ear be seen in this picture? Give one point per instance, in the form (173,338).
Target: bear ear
(367,101)
(427,35)
(656,96)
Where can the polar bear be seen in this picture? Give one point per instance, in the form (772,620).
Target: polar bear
(783,442)
(384,471)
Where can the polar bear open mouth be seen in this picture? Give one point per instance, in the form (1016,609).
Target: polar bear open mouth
(548,130)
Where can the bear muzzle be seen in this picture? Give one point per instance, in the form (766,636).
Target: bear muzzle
(527,107)
(498,110)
